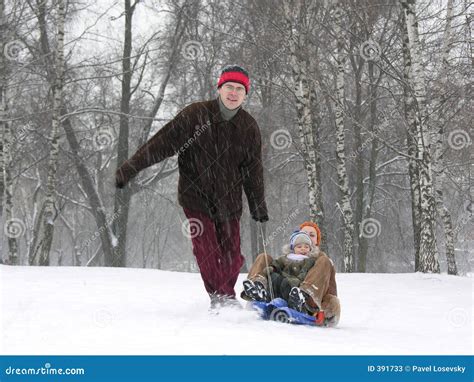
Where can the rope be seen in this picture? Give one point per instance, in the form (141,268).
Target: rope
(269,278)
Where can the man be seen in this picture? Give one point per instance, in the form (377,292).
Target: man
(219,152)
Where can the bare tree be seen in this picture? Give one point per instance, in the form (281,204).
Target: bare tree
(303,94)
(427,246)
(50,211)
(412,148)
(347,215)
(6,146)
(438,165)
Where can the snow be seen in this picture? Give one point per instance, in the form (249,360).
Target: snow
(79,310)
(113,240)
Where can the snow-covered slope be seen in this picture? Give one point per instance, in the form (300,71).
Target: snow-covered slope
(66,310)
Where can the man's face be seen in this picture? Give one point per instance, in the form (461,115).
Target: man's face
(232,94)
(302,249)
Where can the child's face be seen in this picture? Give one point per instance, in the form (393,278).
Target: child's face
(301,249)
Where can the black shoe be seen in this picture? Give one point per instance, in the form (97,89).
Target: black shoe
(296,299)
(255,290)
(250,290)
(261,291)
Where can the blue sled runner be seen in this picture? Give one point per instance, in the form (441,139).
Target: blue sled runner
(278,310)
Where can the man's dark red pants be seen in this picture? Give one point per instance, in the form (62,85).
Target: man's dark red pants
(216,246)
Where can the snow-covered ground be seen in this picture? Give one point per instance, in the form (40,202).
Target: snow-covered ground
(67,310)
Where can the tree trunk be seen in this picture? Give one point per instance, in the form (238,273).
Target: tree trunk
(316,121)
(359,157)
(428,262)
(343,182)
(303,107)
(438,165)
(3,79)
(49,203)
(363,239)
(97,208)
(12,227)
(414,176)
(123,196)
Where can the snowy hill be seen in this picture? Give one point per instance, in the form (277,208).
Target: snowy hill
(67,310)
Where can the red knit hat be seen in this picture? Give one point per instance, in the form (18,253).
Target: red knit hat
(234,73)
(315,226)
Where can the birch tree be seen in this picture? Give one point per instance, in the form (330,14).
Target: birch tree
(5,154)
(343,182)
(412,147)
(427,246)
(3,26)
(50,211)
(438,165)
(303,97)
(357,64)
(316,119)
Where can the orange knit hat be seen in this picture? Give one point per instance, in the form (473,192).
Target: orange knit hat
(315,226)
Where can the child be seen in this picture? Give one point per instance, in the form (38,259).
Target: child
(283,273)
(316,295)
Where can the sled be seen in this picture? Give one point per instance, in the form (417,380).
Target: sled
(278,310)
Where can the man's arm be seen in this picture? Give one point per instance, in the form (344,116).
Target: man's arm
(252,173)
(165,143)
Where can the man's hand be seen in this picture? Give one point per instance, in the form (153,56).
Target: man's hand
(260,218)
(120,179)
